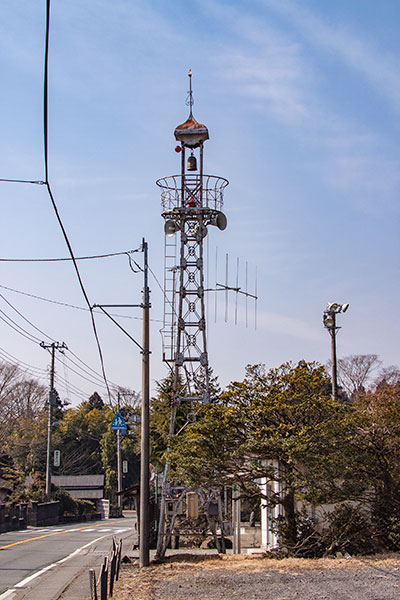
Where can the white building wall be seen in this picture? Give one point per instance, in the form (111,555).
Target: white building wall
(269,539)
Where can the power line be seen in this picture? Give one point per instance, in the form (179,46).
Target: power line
(87,366)
(23,181)
(20,362)
(126,253)
(92,381)
(42,374)
(50,193)
(70,388)
(96,379)
(4,287)
(96,375)
(25,319)
(19,329)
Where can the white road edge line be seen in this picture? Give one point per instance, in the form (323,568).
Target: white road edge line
(23,583)
(5,595)
(59,562)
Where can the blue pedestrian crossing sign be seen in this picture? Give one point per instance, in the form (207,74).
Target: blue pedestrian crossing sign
(118,424)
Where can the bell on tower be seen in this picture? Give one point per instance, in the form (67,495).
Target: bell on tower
(192,163)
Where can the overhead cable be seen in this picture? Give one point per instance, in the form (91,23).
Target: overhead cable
(110,254)
(4,287)
(23,181)
(18,328)
(25,319)
(50,193)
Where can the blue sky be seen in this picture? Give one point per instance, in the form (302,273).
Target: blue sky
(302,103)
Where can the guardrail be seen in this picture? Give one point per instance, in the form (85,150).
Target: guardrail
(109,573)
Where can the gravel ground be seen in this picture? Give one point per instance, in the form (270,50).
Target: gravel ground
(185,577)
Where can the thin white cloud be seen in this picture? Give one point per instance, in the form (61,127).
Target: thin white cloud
(289,326)
(269,66)
(266,321)
(270,74)
(260,62)
(381,70)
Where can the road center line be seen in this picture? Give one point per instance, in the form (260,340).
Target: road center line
(58,532)
(23,582)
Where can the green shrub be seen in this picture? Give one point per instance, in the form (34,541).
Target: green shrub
(68,505)
(349,531)
(309,543)
(85,507)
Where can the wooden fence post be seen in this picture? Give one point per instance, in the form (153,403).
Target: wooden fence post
(119,553)
(112,571)
(93,587)
(103,580)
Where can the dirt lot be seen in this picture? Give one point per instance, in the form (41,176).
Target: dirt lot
(184,577)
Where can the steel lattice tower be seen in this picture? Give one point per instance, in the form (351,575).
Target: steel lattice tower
(190,203)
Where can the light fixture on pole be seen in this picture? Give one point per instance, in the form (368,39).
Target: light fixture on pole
(329,320)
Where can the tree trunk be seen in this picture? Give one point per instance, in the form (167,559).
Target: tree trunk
(290,519)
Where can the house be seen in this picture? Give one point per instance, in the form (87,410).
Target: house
(85,487)
(82,487)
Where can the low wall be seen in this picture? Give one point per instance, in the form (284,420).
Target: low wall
(13,517)
(40,515)
(80,518)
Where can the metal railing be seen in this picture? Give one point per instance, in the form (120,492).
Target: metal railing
(109,573)
(207,190)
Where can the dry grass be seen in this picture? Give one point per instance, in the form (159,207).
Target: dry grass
(200,577)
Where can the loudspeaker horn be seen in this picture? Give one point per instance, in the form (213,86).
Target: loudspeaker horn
(220,221)
(170,227)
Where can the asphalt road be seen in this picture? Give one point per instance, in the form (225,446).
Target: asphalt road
(53,562)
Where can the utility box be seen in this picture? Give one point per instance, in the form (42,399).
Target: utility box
(192,505)
(170,507)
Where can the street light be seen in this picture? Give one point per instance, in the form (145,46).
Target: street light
(329,320)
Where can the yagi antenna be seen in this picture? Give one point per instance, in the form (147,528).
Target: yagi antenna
(246,288)
(237,285)
(216,295)
(227,287)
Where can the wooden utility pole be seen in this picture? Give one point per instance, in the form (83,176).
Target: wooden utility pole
(54,346)
(144,527)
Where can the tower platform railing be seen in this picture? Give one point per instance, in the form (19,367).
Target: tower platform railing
(195,191)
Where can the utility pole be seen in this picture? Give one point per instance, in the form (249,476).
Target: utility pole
(144,529)
(54,346)
(119,475)
(144,524)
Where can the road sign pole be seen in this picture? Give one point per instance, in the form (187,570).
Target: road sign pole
(119,475)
